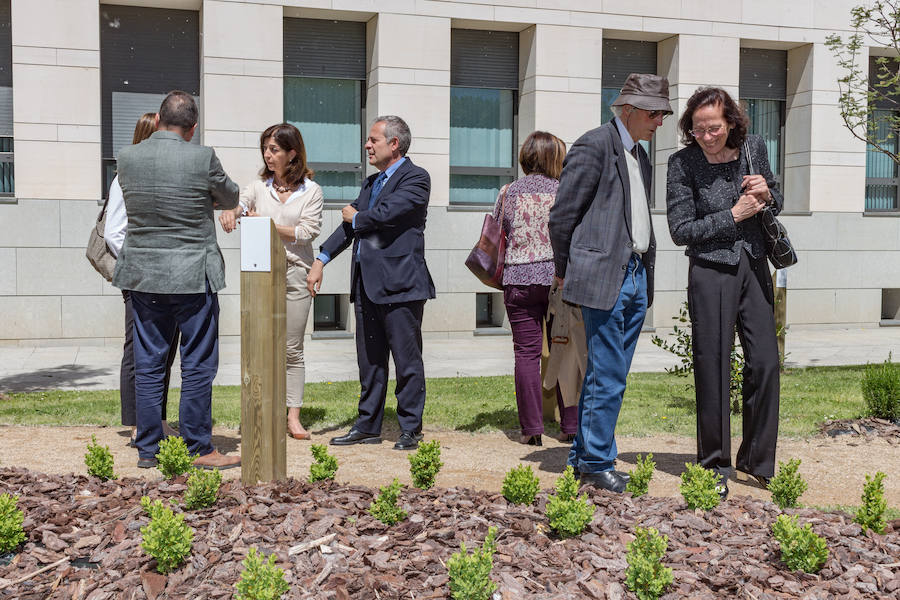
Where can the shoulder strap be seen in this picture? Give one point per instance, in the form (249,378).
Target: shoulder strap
(749,159)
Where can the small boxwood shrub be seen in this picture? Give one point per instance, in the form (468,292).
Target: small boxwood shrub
(801,548)
(646,576)
(698,487)
(11,518)
(521,485)
(99,460)
(881,390)
(788,485)
(470,574)
(569,514)
(173,458)
(425,463)
(260,579)
(202,488)
(385,507)
(639,484)
(325,466)
(166,538)
(871,514)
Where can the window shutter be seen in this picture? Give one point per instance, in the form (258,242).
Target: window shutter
(484,59)
(144,54)
(623,57)
(6,116)
(763,74)
(321,48)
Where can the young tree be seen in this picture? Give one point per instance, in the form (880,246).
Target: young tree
(870,106)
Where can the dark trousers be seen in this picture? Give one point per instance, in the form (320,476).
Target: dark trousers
(383,329)
(526,307)
(126,371)
(156,317)
(721,297)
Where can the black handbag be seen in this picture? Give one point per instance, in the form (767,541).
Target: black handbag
(779,249)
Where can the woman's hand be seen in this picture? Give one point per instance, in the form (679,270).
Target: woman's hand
(756,185)
(747,206)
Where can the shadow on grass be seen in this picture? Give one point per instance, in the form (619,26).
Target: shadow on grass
(505,418)
(667,462)
(51,378)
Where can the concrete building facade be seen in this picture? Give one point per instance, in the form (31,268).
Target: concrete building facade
(432,62)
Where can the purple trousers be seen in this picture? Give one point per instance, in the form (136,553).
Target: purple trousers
(526,306)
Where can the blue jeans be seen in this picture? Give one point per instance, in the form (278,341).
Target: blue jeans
(156,317)
(611,339)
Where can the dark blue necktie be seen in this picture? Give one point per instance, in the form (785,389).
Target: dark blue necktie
(376,188)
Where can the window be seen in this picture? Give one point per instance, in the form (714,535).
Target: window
(484,83)
(7,178)
(144,54)
(882,178)
(489,310)
(620,59)
(763,93)
(329,313)
(325,98)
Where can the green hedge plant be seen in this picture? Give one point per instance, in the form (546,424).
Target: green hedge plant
(568,513)
(788,485)
(11,518)
(99,460)
(325,466)
(202,488)
(521,485)
(646,576)
(260,579)
(871,514)
(166,538)
(881,390)
(425,464)
(173,458)
(801,548)
(698,487)
(639,484)
(470,574)
(385,507)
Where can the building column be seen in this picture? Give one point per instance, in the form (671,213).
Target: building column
(824,163)
(409,76)
(560,74)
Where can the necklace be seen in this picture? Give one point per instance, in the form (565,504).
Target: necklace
(281,189)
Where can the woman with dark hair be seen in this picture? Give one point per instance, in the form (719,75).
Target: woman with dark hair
(286,193)
(114,234)
(713,199)
(528,273)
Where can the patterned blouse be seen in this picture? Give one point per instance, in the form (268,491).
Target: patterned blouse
(526,215)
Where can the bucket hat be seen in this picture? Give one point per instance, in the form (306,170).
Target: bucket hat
(649,92)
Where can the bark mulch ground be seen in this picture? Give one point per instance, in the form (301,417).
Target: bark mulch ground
(89,531)
(868,428)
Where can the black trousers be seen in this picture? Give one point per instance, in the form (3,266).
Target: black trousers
(721,297)
(127,395)
(381,330)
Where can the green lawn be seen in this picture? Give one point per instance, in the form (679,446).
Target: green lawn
(654,403)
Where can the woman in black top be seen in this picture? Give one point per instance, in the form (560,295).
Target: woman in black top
(713,201)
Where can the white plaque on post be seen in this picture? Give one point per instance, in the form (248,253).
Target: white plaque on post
(255,244)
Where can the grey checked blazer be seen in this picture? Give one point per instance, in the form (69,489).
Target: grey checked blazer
(171,188)
(590,223)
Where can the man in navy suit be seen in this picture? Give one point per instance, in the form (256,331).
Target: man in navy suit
(389,282)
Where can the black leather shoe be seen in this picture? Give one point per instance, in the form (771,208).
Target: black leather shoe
(623,476)
(723,491)
(760,479)
(408,440)
(355,436)
(534,440)
(146,463)
(604,480)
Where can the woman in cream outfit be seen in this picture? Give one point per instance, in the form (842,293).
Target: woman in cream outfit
(285,192)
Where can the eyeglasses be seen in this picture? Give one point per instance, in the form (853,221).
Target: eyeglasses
(655,114)
(713,131)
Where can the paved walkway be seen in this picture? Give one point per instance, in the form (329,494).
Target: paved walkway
(97,367)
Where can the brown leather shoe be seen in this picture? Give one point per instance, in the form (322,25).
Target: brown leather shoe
(217,460)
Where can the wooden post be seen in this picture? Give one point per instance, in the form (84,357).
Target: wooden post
(780,288)
(263,348)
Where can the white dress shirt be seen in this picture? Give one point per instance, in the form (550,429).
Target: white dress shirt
(116,218)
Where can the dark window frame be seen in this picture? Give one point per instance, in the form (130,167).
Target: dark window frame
(882,181)
(772,87)
(7,142)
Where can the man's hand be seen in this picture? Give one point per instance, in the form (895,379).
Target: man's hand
(347,213)
(559,281)
(228,221)
(314,277)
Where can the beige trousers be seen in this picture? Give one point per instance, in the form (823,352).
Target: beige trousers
(297,305)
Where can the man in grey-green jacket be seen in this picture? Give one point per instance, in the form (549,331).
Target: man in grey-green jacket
(172,267)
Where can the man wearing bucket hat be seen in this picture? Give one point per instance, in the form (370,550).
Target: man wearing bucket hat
(604,250)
